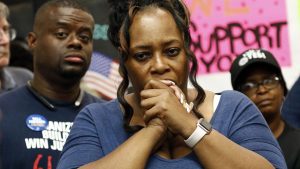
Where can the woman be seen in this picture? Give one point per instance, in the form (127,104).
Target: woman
(156,125)
(260,78)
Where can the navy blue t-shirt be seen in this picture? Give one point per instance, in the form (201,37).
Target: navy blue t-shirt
(32,135)
(291,107)
(98,130)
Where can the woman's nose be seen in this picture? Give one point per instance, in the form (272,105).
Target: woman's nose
(160,64)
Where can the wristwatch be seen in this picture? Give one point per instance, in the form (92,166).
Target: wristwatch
(203,128)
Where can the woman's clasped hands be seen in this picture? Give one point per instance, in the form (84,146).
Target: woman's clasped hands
(166,107)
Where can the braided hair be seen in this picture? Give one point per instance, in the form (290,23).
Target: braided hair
(120,19)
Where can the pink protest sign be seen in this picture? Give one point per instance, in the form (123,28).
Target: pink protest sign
(221,29)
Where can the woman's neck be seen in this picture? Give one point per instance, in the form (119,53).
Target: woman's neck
(277,126)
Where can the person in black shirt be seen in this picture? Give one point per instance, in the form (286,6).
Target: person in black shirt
(257,74)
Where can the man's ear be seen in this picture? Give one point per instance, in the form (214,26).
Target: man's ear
(31,40)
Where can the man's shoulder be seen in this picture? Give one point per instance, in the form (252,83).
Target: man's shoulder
(10,98)
(18,71)
(13,93)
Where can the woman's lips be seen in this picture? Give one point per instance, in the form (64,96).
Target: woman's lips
(264,103)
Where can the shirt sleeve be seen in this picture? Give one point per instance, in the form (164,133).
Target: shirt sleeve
(83,144)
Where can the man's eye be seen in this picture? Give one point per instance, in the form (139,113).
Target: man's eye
(6,30)
(61,35)
(85,38)
(173,51)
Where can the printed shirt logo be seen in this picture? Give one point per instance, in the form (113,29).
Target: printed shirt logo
(36,122)
(53,136)
(50,137)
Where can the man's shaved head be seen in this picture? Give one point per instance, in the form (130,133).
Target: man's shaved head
(44,9)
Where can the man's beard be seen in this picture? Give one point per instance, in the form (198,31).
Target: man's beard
(73,73)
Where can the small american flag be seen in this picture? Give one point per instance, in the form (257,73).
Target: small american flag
(102,77)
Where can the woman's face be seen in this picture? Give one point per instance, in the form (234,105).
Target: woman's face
(156,49)
(268,100)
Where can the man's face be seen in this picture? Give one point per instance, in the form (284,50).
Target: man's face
(4,42)
(62,43)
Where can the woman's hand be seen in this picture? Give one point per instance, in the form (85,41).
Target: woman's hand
(160,101)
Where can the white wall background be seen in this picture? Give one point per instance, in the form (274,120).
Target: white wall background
(218,82)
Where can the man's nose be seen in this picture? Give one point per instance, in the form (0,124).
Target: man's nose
(75,42)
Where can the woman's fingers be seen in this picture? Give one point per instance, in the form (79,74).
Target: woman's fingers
(155,84)
(165,105)
(150,114)
(168,82)
(148,102)
(177,91)
(150,93)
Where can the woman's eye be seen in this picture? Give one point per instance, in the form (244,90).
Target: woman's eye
(142,56)
(173,51)
(268,81)
(247,86)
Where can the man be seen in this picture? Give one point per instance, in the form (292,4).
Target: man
(37,117)
(257,74)
(10,77)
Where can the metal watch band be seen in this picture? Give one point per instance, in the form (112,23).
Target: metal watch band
(201,130)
